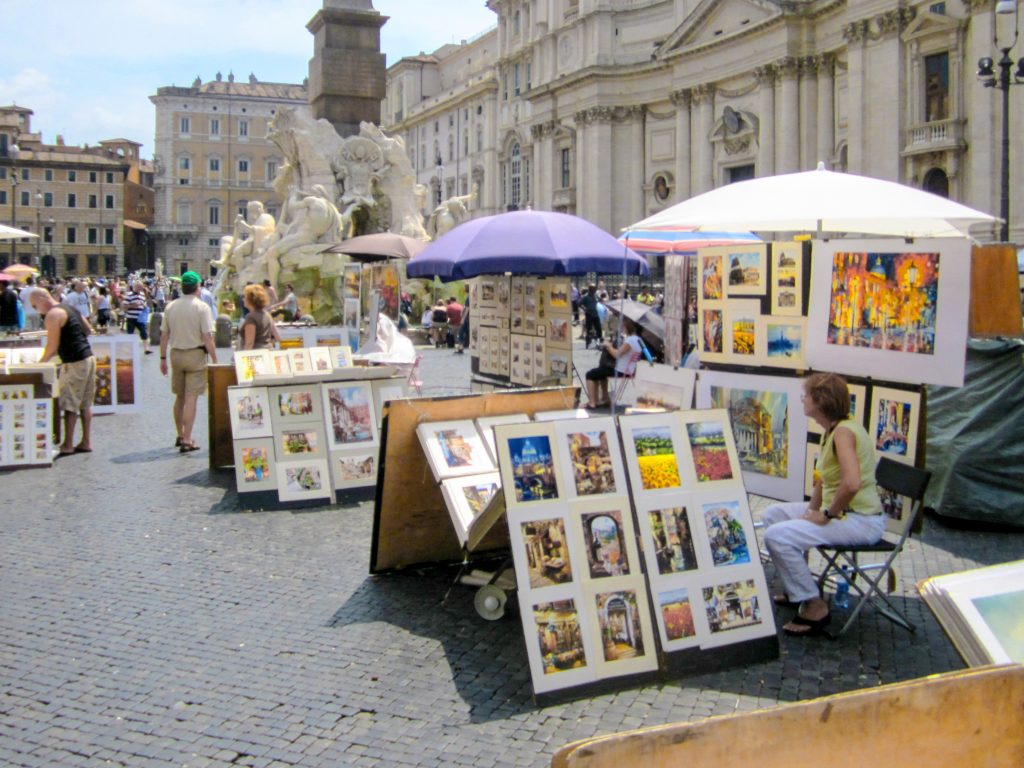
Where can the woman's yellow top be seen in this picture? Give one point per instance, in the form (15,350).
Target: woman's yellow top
(867,500)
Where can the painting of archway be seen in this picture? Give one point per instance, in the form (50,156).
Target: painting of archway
(621,635)
(606,545)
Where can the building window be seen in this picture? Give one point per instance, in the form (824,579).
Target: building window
(516,23)
(48,199)
(479,139)
(3,197)
(47,234)
(243,166)
(110,264)
(92,177)
(185,125)
(109,202)
(936,87)
(184,210)
(70,263)
(243,128)
(740,173)
(3,171)
(184,164)
(271,169)
(516,177)
(24,174)
(214,216)
(47,175)
(72,200)
(243,209)
(423,156)
(214,165)
(515,79)
(451,120)
(71,236)
(110,177)
(214,126)
(92,262)
(72,176)
(465,142)
(213,241)
(92,236)
(93,201)
(108,236)
(451,149)
(566,167)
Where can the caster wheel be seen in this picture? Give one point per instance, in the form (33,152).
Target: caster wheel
(489,602)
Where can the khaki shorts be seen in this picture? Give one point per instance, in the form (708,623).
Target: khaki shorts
(188,371)
(78,385)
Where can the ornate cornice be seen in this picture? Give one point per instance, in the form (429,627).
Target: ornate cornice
(702,94)
(609,114)
(545,129)
(680,98)
(766,75)
(878,26)
(808,65)
(788,66)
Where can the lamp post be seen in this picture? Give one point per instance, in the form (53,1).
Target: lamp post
(13,152)
(49,248)
(39,231)
(987,75)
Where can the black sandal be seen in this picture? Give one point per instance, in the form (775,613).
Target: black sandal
(783,601)
(814,626)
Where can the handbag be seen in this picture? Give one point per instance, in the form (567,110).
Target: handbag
(607,359)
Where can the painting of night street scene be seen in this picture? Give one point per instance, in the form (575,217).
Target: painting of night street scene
(533,468)
(884,301)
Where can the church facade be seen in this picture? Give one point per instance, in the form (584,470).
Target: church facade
(616,109)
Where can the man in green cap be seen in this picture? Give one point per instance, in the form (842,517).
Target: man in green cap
(188,333)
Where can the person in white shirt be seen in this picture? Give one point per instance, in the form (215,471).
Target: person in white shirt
(79,299)
(33,320)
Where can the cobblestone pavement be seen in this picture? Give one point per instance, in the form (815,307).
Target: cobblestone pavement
(147,619)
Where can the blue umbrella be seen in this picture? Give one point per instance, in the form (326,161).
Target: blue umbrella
(525,243)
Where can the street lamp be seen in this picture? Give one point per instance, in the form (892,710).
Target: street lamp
(13,152)
(39,231)
(987,75)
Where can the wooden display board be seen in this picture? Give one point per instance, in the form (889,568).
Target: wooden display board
(411,524)
(995,292)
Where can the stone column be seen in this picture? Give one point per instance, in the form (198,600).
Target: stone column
(585,177)
(681,100)
(808,113)
(789,119)
(766,136)
(826,108)
(599,157)
(347,71)
(637,206)
(703,96)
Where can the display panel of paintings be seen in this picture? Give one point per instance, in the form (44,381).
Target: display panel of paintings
(250,363)
(782,341)
(895,414)
(521,359)
(291,404)
(653,446)
(301,441)
(729,271)
(26,435)
(250,412)
(118,360)
(787,279)
(741,341)
(354,468)
(303,480)
(593,465)
(453,448)
(255,464)
(890,310)
(351,421)
(486,425)
(661,388)
(858,408)
(528,464)
(768,425)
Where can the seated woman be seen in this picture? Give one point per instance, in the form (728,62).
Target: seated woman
(844,508)
(624,365)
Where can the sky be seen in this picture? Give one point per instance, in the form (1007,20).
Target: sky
(88,67)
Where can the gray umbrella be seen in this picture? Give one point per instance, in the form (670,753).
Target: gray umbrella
(640,313)
(383,245)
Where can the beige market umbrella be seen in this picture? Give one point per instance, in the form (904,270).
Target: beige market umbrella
(21,270)
(13,233)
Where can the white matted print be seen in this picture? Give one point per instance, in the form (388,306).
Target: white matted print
(341,357)
(486,425)
(250,412)
(890,310)
(280,364)
(559,645)
(620,622)
(741,343)
(321,359)
(895,414)
(251,363)
(351,421)
(725,528)
(661,388)
(294,403)
(669,534)
(301,441)
(593,464)
(568,413)
(605,527)
(653,443)
(676,603)
(300,362)
(712,448)
(354,468)
(527,461)
(746,269)
(255,465)
(468,496)
(769,427)
(453,448)
(858,408)
(303,480)
(787,279)
(782,341)
(733,607)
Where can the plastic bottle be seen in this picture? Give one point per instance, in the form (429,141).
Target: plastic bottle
(841,599)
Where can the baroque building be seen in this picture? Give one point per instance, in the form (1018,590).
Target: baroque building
(616,109)
(212,158)
(85,203)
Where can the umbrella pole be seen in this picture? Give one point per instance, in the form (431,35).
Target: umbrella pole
(622,297)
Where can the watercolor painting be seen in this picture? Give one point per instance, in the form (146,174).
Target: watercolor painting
(656,456)
(709,450)
(673,540)
(618,617)
(726,536)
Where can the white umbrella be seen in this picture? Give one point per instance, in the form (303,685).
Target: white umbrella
(13,233)
(822,201)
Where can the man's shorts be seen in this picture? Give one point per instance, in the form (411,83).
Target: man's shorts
(188,371)
(77,385)
(130,324)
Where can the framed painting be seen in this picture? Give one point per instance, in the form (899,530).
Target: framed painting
(453,448)
(712,332)
(255,465)
(250,412)
(787,279)
(329,337)
(528,464)
(620,625)
(127,366)
(858,408)
(350,314)
(676,605)
(486,425)
(303,480)
(294,404)
(895,414)
(354,468)
(300,362)
(594,464)
(559,331)
(546,556)
(661,388)
(652,446)
(250,363)
(768,425)
(744,269)
(488,293)
(341,357)
(386,281)
(669,529)
(292,338)
(280,364)
(467,497)
(350,281)
(558,646)
(712,270)
(559,364)
(725,529)
(735,607)
(502,292)
(890,310)
(741,341)
(712,448)
(103,351)
(559,298)
(301,441)
(782,341)
(351,421)
(604,525)
(321,360)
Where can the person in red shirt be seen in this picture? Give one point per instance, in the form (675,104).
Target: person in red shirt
(454,311)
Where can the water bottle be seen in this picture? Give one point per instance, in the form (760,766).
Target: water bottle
(841,599)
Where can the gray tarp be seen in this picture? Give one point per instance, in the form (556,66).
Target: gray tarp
(975,437)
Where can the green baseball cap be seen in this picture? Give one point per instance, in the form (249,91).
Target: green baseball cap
(190,278)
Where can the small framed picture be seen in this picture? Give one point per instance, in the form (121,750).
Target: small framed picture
(621,622)
(303,480)
(486,425)
(301,441)
(676,603)
(250,412)
(454,448)
(735,608)
(341,357)
(355,468)
(351,420)
(526,459)
(605,526)
(255,465)
(251,363)
(294,403)
(712,447)
(668,533)
(468,497)
(321,359)
(594,466)
(280,363)
(894,418)
(652,444)
(300,362)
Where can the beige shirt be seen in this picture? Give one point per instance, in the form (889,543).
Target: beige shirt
(185,321)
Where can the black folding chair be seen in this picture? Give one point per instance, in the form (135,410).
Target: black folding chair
(866,580)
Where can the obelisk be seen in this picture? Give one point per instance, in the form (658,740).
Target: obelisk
(346,73)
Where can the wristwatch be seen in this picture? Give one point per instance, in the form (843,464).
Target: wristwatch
(833,515)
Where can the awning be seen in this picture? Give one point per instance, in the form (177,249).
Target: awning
(134,224)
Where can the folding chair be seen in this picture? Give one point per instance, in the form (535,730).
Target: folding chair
(413,381)
(908,482)
(621,382)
